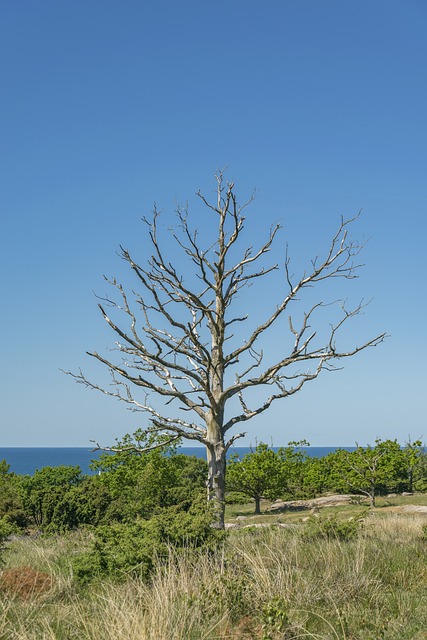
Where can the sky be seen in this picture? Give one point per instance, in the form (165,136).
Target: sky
(108,107)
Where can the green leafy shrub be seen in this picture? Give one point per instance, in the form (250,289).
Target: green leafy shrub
(121,549)
(275,619)
(140,482)
(236,497)
(11,507)
(44,496)
(331,528)
(6,529)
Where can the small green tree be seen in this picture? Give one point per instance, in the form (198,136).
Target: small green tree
(371,470)
(420,472)
(259,474)
(336,471)
(295,460)
(44,493)
(11,508)
(414,453)
(314,475)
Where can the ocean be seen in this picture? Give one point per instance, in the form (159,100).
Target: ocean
(25,460)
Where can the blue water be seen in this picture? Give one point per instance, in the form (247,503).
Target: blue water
(25,460)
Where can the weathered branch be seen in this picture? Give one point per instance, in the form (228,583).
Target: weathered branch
(174,341)
(134,448)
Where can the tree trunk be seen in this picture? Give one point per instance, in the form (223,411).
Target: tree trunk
(372,496)
(257,505)
(216,455)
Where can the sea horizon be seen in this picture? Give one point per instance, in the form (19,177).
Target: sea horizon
(26,460)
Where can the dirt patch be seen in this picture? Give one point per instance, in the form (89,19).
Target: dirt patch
(25,582)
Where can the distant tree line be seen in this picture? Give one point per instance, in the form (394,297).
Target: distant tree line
(291,473)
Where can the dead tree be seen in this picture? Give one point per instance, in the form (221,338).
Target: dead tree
(175,342)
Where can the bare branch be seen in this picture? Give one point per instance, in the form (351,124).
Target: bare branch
(173,337)
(134,448)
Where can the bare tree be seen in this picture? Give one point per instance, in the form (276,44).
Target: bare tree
(178,343)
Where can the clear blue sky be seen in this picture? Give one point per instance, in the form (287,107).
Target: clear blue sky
(109,106)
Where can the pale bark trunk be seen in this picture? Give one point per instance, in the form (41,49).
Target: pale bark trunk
(216,455)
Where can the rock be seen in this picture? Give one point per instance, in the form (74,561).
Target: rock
(392,495)
(414,508)
(332,500)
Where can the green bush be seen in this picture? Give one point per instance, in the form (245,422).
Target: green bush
(6,529)
(44,496)
(331,528)
(121,549)
(11,507)
(236,497)
(142,482)
(275,619)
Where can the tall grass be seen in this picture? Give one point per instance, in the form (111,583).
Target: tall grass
(264,584)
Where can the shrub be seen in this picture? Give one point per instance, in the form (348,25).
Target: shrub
(332,528)
(11,507)
(121,549)
(44,495)
(236,497)
(275,618)
(6,529)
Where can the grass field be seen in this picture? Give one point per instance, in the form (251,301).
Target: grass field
(364,581)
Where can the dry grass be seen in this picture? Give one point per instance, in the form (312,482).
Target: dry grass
(264,584)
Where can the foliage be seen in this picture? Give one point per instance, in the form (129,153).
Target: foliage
(415,459)
(236,497)
(266,473)
(420,480)
(6,529)
(295,461)
(45,496)
(130,485)
(86,503)
(332,528)
(275,618)
(11,507)
(134,483)
(314,473)
(141,481)
(368,470)
(132,548)
(258,474)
